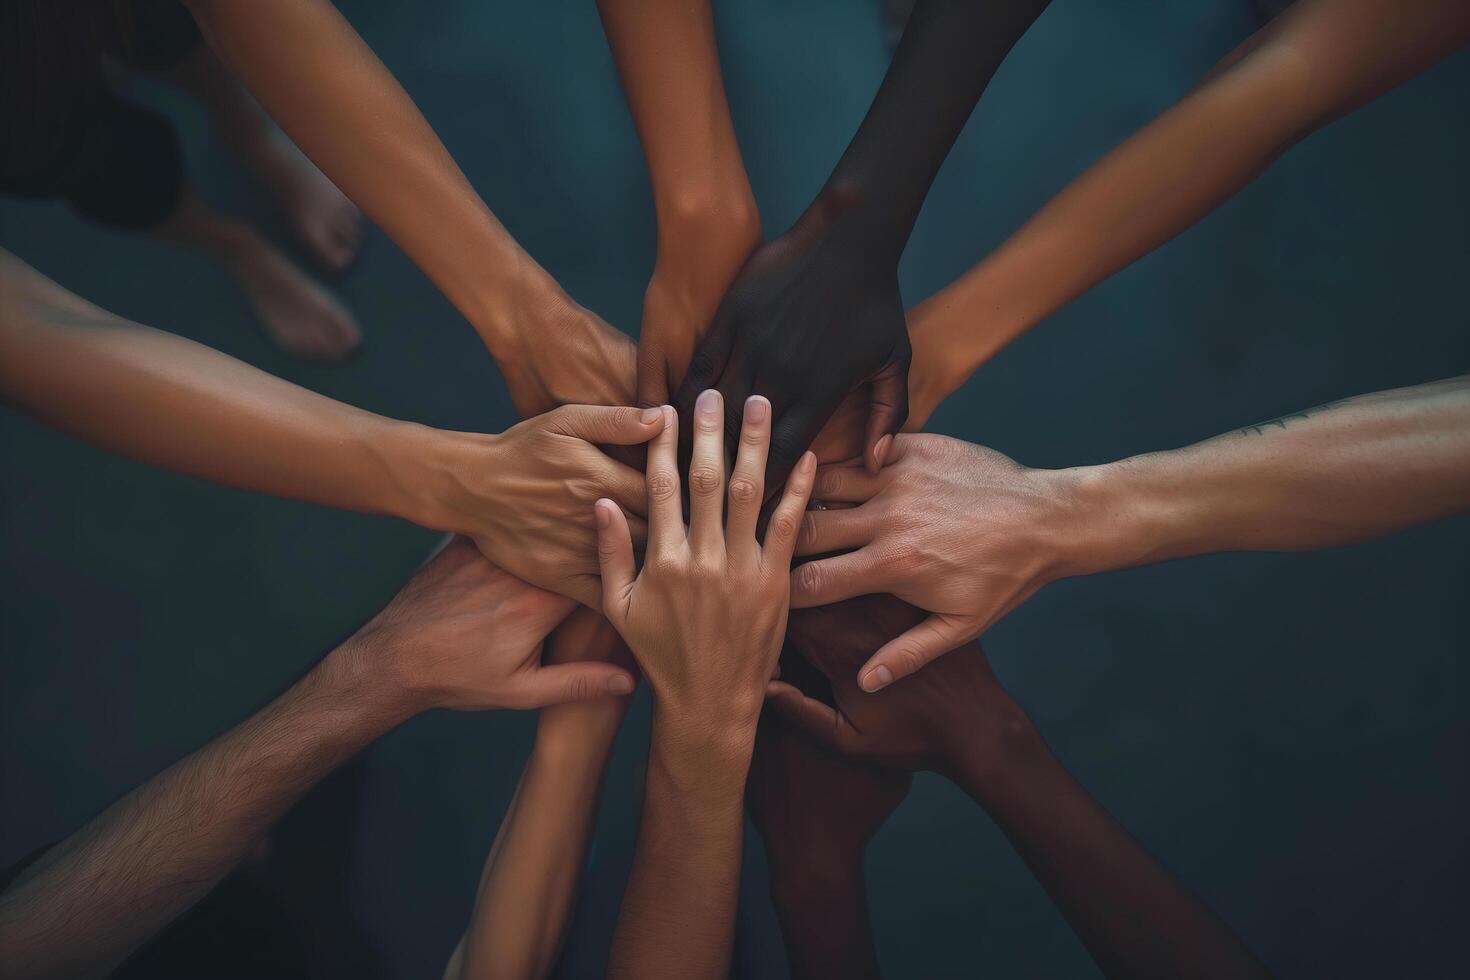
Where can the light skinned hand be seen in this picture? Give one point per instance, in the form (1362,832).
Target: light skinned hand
(467,635)
(958,530)
(525,496)
(706,613)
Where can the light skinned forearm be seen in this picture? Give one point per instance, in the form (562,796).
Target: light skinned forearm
(98,895)
(312,72)
(530,880)
(670,69)
(678,913)
(1325,476)
(168,401)
(822,902)
(1135,918)
(1316,62)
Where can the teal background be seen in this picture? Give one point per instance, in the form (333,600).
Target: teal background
(1287,732)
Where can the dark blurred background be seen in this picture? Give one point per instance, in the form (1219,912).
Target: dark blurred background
(1287,732)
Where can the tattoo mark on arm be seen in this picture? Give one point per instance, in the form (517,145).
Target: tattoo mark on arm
(1281,420)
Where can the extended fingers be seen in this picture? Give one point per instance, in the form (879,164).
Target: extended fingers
(561,683)
(821,583)
(603,425)
(614,558)
(826,531)
(889,408)
(785,521)
(665,511)
(747,484)
(848,484)
(707,472)
(819,722)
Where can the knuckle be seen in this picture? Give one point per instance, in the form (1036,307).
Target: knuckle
(783,526)
(743,490)
(662,486)
(704,479)
(829,484)
(809,576)
(620,417)
(809,532)
(909,659)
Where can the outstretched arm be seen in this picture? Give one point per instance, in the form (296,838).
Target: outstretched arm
(462,634)
(977,533)
(1135,918)
(333,97)
(817,312)
(174,403)
(707,220)
(1319,60)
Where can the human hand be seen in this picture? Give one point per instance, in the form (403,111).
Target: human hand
(956,529)
(705,615)
(700,250)
(815,810)
(564,354)
(465,634)
(525,496)
(953,718)
(812,315)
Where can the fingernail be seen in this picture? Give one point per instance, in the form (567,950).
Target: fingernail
(880,452)
(603,517)
(709,401)
(808,461)
(756,409)
(650,415)
(877,679)
(620,685)
(670,418)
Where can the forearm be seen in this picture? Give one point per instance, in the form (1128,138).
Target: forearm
(678,913)
(168,401)
(1320,60)
(102,892)
(530,881)
(1343,472)
(336,100)
(1134,917)
(670,70)
(950,50)
(822,902)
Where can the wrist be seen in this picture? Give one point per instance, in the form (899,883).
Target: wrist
(697,213)
(999,756)
(507,301)
(700,756)
(1124,515)
(434,493)
(357,681)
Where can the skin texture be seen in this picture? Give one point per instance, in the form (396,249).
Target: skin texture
(817,812)
(1135,918)
(704,618)
(968,534)
(817,312)
(327,90)
(708,223)
(462,634)
(524,496)
(1316,62)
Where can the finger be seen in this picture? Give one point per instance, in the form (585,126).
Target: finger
(747,484)
(622,483)
(707,472)
(819,722)
(821,583)
(653,377)
(910,651)
(786,518)
(889,409)
(827,531)
(665,510)
(616,425)
(849,484)
(561,683)
(614,558)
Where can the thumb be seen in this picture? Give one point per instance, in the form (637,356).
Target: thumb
(817,721)
(889,408)
(910,651)
(608,426)
(561,683)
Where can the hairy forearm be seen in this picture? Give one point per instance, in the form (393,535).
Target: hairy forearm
(530,880)
(1339,473)
(949,52)
(678,913)
(336,100)
(822,902)
(98,895)
(1320,60)
(1135,918)
(171,402)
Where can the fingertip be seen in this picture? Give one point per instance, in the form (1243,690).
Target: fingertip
(879,454)
(757,409)
(620,685)
(875,679)
(649,416)
(602,513)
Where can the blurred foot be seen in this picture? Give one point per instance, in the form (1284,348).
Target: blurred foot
(299,316)
(326,222)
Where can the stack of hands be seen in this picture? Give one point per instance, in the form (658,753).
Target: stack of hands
(768,377)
